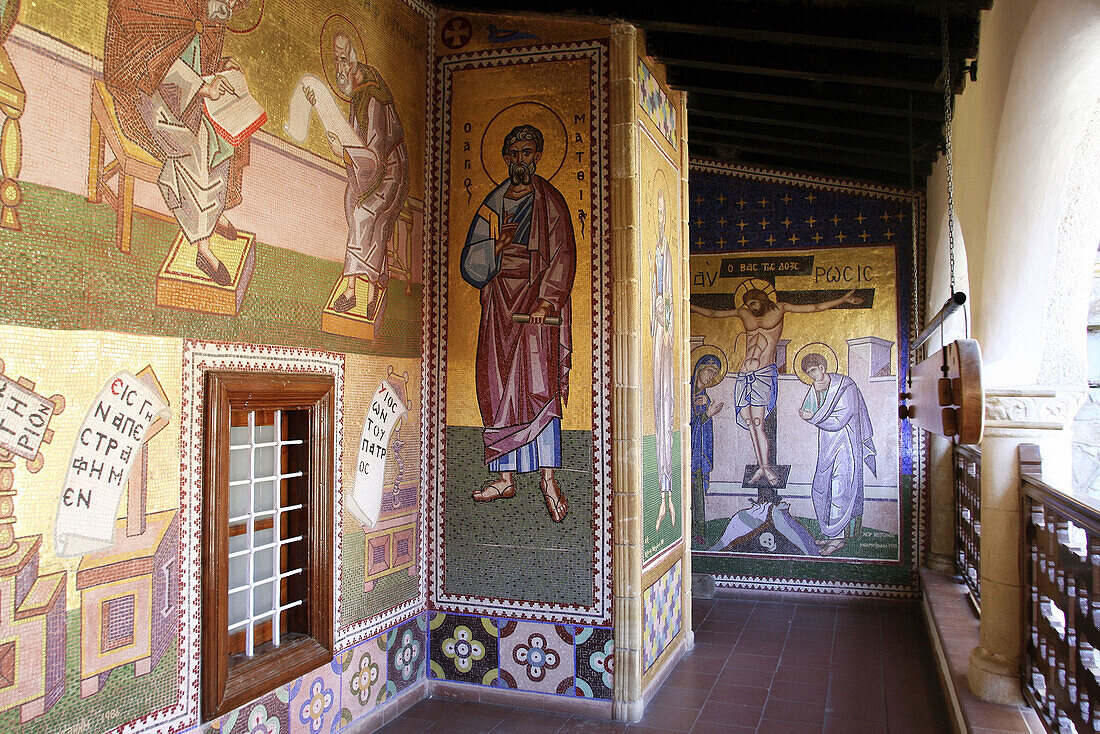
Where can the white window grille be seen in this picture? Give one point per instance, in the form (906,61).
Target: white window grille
(260,543)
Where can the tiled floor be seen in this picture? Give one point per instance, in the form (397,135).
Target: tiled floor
(764,667)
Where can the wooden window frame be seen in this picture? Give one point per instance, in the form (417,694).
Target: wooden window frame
(225,688)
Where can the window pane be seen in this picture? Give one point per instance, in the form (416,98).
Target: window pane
(263,537)
(265,496)
(238,607)
(265,462)
(265,434)
(238,571)
(238,464)
(238,500)
(238,542)
(262,600)
(262,565)
(238,436)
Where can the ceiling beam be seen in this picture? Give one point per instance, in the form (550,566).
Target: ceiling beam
(787,151)
(716,91)
(810,76)
(735,135)
(696,113)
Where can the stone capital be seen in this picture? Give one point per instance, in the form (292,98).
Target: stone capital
(1031,408)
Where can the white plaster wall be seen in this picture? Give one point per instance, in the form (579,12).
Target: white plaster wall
(1019,131)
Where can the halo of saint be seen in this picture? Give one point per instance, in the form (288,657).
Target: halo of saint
(336,25)
(707,349)
(659,185)
(555,140)
(825,351)
(247,19)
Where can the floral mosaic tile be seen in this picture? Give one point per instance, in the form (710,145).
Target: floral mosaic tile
(407,654)
(315,701)
(595,662)
(536,657)
(266,715)
(363,678)
(463,648)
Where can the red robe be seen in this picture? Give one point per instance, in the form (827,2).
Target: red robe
(523,369)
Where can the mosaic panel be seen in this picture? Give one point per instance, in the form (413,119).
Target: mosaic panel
(661,615)
(800,293)
(463,648)
(363,677)
(655,102)
(407,658)
(551,475)
(659,232)
(595,666)
(536,657)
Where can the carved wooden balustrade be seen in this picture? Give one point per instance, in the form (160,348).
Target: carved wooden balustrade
(1061,667)
(968,519)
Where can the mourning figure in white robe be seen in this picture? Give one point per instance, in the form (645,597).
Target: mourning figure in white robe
(844,446)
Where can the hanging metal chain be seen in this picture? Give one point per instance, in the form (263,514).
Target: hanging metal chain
(947,115)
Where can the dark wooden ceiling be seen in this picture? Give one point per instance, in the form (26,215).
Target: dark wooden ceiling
(848,88)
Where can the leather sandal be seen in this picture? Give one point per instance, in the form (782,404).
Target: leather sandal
(492,492)
(555,500)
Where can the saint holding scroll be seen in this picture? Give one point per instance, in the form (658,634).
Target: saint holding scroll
(371,144)
(521,253)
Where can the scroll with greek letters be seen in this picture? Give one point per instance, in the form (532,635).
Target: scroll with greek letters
(104,451)
(365,502)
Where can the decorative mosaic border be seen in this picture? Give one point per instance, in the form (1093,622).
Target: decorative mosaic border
(652,99)
(600,611)
(912,451)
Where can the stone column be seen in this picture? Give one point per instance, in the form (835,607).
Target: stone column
(941,501)
(1013,416)
(626,368)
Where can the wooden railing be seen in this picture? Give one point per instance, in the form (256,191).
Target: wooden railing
(1061,670)
(968,519)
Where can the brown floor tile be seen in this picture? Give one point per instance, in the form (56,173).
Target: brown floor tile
(744,661)
(786,690)
(404,726)
(709,637)
(701,664)
(799,674)
(527,721)
(687,678)
(849,705)
(743,695)
(795,711)
(805,659)
(685,698)
(743,677)
(583,725)
(719,713)
(769,726)
(667,718)
(430,709)
(834,725)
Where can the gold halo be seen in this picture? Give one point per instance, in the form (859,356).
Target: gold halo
(659,183)
(832,363)
(555,141)
(248,20)
(334,25)
(700,352)
(749,283)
